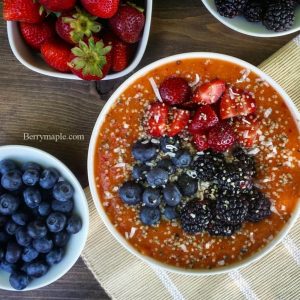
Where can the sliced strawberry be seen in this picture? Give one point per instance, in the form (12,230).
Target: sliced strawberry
(200,141)
(246,130)
(209,93)
(205,117)
(158,118)
(180,120)
(175,90)
(221,137)
(236,102)
(190,105)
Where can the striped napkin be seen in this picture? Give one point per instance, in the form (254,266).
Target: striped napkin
(276,276)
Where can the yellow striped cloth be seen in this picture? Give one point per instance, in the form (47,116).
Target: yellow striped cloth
(276,276)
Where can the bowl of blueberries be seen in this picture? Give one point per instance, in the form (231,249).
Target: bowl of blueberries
(43,218)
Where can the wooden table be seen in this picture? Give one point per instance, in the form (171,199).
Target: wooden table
(35,104)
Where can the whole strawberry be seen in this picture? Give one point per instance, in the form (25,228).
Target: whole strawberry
(91,60)
(128,23)
(56,54)
(58,5)
(37,34)
(104,9)
(22,10)
(74,26)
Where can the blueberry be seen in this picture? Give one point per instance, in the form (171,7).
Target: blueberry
(144,150)
(56,221)
(61,238)
(139,172)
(172,195)
(3,220)
(64,207)
(44,209)
(7,267)
(32,166)
(170,212)
(29,254)
(31,177)
(21,218)
(63,191)
(7,165)
(188,186)
(74,224)
(2,253)
(22,237)
(182,159)
(12,181)
(11,227)
(157,177)
(48,178)
(167,165)
(150,216)
(19,280)
(43,245)
(54,256)
(13,252)
(131,192)
(37,229)
(32,197)
(151,197)
(3,237)
(8,204)
(37,269)
(169,144)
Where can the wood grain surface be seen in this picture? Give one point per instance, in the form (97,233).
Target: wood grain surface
(35,104)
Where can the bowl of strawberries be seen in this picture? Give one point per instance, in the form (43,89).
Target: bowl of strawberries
(74,39)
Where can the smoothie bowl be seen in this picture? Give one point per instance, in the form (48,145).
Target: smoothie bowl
(193,163)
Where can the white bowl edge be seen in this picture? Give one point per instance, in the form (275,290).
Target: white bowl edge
(21,153)
(91,171)
(231,23)
(18,45)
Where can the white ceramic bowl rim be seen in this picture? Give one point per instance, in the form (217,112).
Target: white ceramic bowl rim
(14,45)
(91,170)
(228,22)
(79,239)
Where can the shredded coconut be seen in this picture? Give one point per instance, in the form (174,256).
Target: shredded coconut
(155,89)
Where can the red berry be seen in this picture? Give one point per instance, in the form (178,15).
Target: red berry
(200,141)
(104,9)
(221,137)
(58,5)
(236,102)
(180,120)
(56,54)
(158,118)
(37,34)
(204,118)
(128,23)
(175,90)
(22,10)
(209,93)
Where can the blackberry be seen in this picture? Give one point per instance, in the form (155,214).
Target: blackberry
(235,178)
(208,165)
(279,16)
(231,210)
(222,229)
(195,216)
(254,11)
(230,8)
(246,161)
(259,206)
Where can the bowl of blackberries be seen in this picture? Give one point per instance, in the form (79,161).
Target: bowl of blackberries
(261,18)
(43,218)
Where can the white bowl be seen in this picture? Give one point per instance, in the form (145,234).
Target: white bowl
(34,61)
(241,25)
(77,241)
(92,149)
